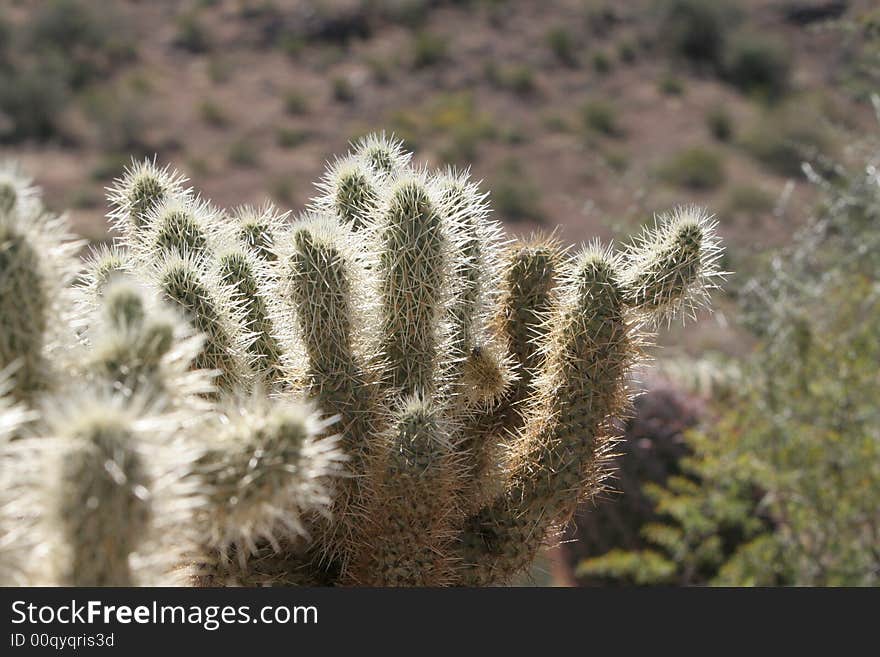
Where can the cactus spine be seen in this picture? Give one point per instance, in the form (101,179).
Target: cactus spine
(379,392)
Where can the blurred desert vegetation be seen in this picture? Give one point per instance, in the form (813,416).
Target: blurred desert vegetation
(590,115)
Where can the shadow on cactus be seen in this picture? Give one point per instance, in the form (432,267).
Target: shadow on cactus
(383,391)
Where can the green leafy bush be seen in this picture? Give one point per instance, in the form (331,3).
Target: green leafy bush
(601,116)
(783,488)
(696,30)
(429,49)
(757,65)
(720,123)
(562,45)
(192,34)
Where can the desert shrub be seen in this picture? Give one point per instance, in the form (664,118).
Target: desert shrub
(296,103)
(782,139)
(696,30)
(5,38)
(290,137)
(429,49)
(410,13)
(117,115)
(601,63)
(31,101)
(860,74)
(617,160)
(219,69)
(670,85)
(695,167)
(86,43)
(601,116)
(282,189)
(62,47)
(380,69)
(626,52)
(455,120)
(343,91)
(213,113)
(519,78)
(720,123)
(782,488)
(191,34)
(749,200)
(600,16)
(757,65)
(243,153)
(515,196)
(562,45)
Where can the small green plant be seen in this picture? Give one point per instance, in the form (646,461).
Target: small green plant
(627,52)
(429,49)
(32,98)
(220,69)
(783,138)
(601,63)
(243,153)
(213,114)
(192,35)
(757,65)
(296,103)
(670,85)
(290,137)
(562,46)
(600,116)
(343,91)
(381,69)
(520,79)
(719,123)
(456,120)
(82,43)
(282,190)
(515,196)
(696,30)
(695,168)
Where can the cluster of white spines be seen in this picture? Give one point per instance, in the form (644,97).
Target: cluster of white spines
(269,464)
(673,265)
(382,391)
(37,266)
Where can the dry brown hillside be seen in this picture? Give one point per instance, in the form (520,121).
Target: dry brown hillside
(587,114)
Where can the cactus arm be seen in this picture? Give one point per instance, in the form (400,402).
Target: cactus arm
(410,538)
(673,266)
(211,308)
(138,192)
(259,229)
(255,289)
(37,266)
(413,261)
(325,284)
(564,431)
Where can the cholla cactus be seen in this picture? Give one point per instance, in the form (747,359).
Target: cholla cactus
(36,268)
(381,392)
